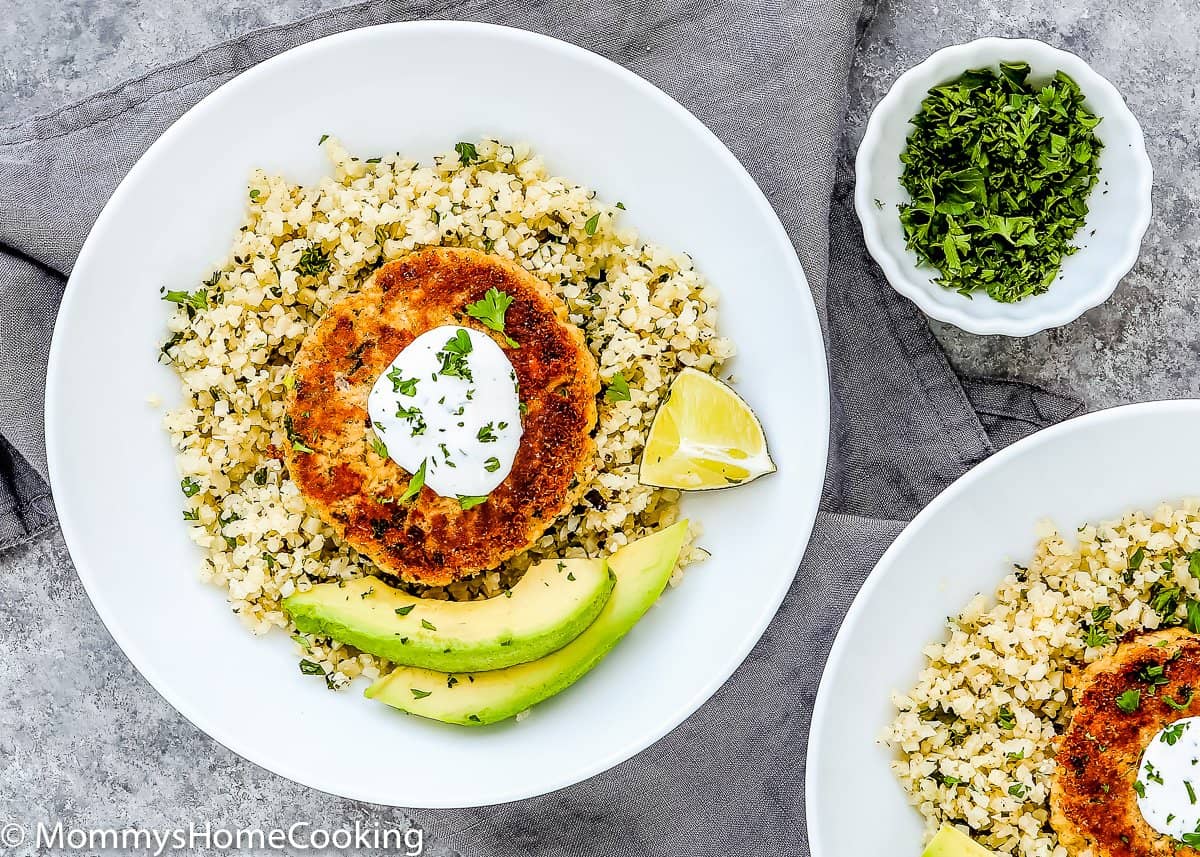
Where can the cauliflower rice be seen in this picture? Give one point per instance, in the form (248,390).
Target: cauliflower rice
(644,310)
(975,736)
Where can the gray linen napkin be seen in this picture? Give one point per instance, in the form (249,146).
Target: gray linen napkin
(769,77)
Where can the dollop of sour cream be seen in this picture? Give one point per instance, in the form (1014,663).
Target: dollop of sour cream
(450,401)
(1168,780)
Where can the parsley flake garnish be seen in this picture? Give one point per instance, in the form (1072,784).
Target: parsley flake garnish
(427,625)
(486,434)
(592,224)
(492,464)
(1181,705)
(403,386)
(378,446)
(405,610)
(618,389)
(490,310)
(467,154)
(454,356)
(1130,700)
(190,486)
(313,261)
(420,694)
(193,300)
(468,502)
(415,484)
(310,668)
(1171,735)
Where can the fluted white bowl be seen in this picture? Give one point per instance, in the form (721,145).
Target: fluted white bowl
(1119,206)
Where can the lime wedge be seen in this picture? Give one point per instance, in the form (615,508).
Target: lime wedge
(704,436)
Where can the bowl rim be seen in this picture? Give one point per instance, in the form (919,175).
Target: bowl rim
(808,324)
(966,314)
(855,615)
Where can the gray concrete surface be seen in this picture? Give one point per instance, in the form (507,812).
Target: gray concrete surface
(83,737)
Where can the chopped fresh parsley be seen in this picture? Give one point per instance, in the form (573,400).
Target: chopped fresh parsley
(467,154)
(1005,718)
(1140,788)
(454,356)
(427,625)
(1017,790)
(420,694)
(415,484)
(254,194)
(1154,675)
(1191,792)
(1194,564)
(194,300)
(1171,735)
(405,610)
(1193,615)
(491,310)
(592,224)
(999,172)
(1095,637)
(486,434)
(313,261)
(310,668)
(190,486)
(468,502)
(324,137)
(378,446)
(618,389)
(1130,700)
(1181,705)
(1101,614)
(400,384)
(1165,599)
(492,464)
(297,442)
(1135,561)
(191,515)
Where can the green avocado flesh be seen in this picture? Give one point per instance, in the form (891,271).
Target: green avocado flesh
(949,842)
(472,699)
(547,608)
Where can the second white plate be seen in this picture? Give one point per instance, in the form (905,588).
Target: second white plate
(1088,469)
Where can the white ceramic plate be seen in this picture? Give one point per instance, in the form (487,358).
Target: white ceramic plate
(1119,207)
(1092,468)
(384,89)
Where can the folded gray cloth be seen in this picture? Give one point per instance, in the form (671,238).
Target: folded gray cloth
(769,77)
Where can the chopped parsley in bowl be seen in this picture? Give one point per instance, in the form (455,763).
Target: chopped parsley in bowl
(999,172)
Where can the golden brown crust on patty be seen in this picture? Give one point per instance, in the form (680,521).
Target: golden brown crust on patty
(1092,801)
(432,540)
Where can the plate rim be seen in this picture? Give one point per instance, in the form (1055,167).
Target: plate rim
(808,323)
(855,614)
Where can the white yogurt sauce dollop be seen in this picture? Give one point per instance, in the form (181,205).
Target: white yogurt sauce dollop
(1168,780)
(450,400)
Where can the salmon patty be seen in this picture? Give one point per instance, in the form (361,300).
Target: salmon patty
(431,539)
(1093,803)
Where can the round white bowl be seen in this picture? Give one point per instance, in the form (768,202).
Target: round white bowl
(1096,467)
(1119,206)
(117,488)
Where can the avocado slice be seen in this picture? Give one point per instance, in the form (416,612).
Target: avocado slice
(950,842)
(471,699)
(545,610)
